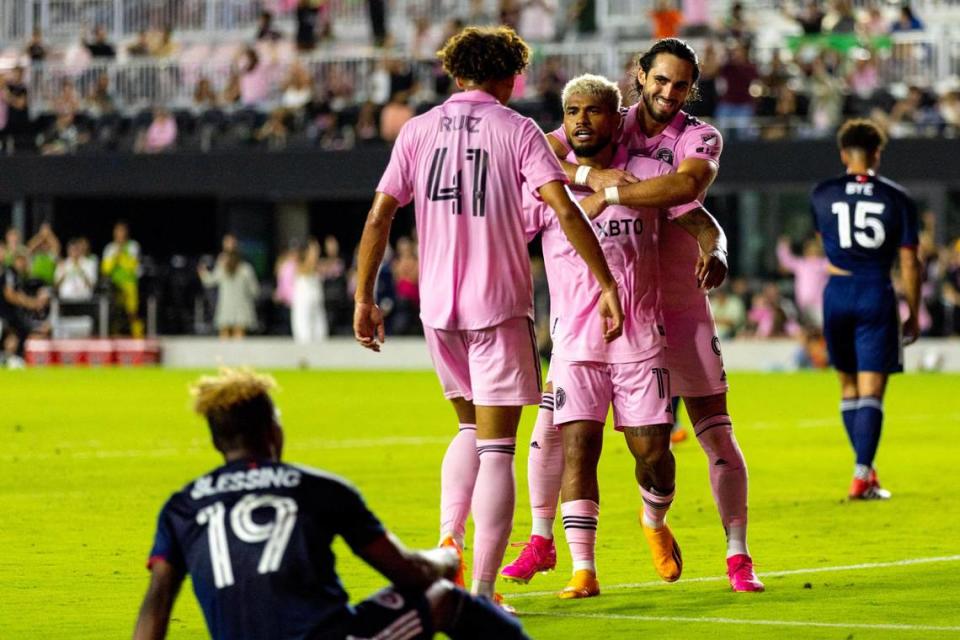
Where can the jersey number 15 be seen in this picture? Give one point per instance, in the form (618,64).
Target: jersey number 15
(869,233)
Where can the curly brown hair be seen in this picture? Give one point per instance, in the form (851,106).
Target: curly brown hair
(480,54)
(861,133)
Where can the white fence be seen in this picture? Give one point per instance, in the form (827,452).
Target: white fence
(923,59)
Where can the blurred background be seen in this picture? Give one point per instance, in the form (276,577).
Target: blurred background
(238,143)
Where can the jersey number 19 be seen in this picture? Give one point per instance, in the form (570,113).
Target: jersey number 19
(869,233)
(275,533)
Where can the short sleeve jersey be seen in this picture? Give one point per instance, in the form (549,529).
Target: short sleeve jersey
(864,220)
(686,137)
(255,538)
(630,242)
(465,164)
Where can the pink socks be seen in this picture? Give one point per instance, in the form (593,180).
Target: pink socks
(458,473)
(580,519)
(728,476)
(545,466)
(493,502)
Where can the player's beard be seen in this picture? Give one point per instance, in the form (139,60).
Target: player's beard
(654,112)
(591,149)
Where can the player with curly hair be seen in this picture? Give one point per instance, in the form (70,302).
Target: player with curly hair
(466,164)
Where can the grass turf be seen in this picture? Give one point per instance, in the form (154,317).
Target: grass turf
(92,454)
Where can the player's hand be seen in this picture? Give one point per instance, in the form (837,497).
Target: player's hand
(600,179)
(911,330)
(368,326)
(711,269)
(594,204)
(611,313)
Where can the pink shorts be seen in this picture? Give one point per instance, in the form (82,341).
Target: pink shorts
(693,352)
(638,391)
(495,367)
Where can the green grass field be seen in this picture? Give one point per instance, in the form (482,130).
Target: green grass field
(90,456)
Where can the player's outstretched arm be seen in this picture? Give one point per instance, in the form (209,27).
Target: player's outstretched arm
(409,569)
(711,269)
(692,178)
(165,581)
(368,326)
(910,279)
(596,179)
(580,235)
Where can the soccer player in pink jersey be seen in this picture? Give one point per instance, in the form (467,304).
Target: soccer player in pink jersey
(657,127)
(466,164)
(630,374)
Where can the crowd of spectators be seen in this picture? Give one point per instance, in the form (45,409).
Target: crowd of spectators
(268,92)
(309,293)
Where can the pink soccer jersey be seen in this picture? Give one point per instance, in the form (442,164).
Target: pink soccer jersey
(466,163)
(629,239)
(685,137)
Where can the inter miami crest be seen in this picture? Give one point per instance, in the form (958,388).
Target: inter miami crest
(715,345)
(665,155)
(560,397)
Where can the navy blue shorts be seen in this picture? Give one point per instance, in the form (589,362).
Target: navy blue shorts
(386,615)
(861,325)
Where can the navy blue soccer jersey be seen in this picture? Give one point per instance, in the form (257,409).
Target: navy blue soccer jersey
(255,538)
(864,220)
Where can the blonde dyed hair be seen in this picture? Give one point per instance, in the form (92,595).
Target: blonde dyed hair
(596,86)
(230,388)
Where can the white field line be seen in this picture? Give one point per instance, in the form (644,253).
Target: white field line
(764,623)
(766,574)
(306,444)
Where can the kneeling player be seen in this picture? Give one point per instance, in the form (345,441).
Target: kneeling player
(865,222)
(255,536)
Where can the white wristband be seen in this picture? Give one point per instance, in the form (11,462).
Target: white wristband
(581,177)
(612,195)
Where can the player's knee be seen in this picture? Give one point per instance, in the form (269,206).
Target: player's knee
(720,444)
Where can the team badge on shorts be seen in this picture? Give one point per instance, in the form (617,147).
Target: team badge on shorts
(560,398)
(715,345)
(665,155)
(389,599)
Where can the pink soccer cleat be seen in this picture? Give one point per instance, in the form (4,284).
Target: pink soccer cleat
(740,572)
(538,556)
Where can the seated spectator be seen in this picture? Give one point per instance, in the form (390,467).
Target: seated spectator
(68,99)
(63,137)
(842,18)
(18,308)
(237,291)
(367,124)
(769,316)
(307,13)
(810,277)
(254,82)
(140,48)
(165,47)
(666,19)
(98,45)
(906,21)
(274,131)
(729,313)
(394,115)
(265,28)
(231,91)
(874,23)
(297,89)
(16,97)
(76,275)
(204,96)
(738,26)
(44,249)
(161,135)
(537,21)
(100,101)
(35,49)
(810,18)
(13,246)
(948,106)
